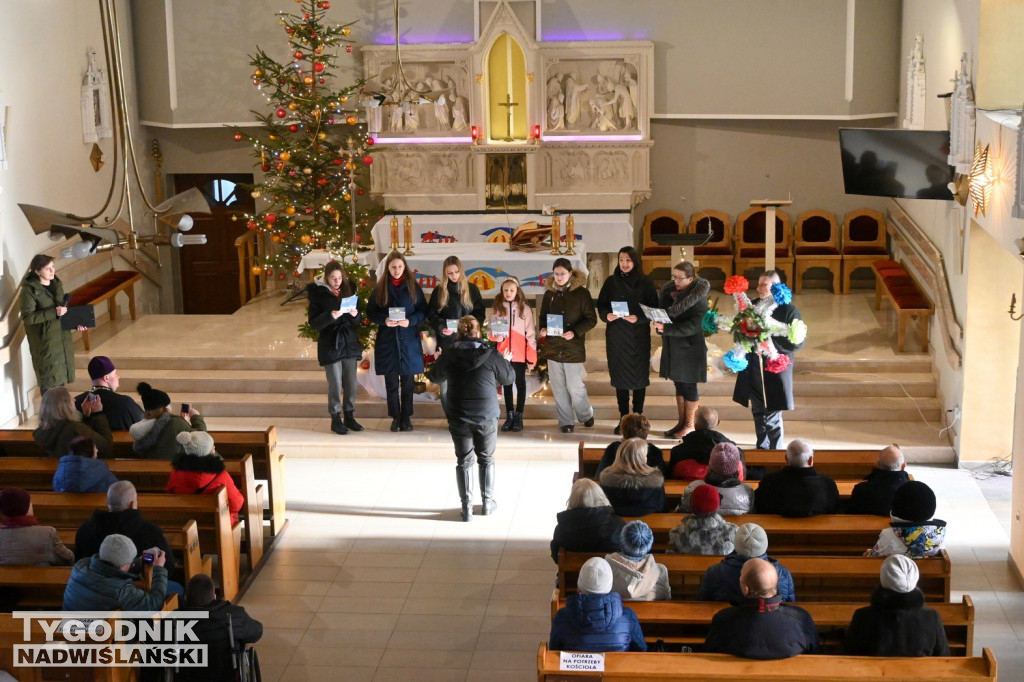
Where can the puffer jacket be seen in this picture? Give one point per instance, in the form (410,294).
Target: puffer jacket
(721,582)
(337,339)
(473,372)
(52,348)
(56,440)
(77,474)
(522,334)
(587,529)
(644,580)
(736,497)
(398,350)
(204,475)
(97,585)
(576,306)
(634,495)
(913,539)
(129,523)
(707,534)
(596,622)
(157,438)
(896,624)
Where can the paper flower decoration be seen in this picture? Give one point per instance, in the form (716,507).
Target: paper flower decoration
(736,362)
(781,293)
(737,284)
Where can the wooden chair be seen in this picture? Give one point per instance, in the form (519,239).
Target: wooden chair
(654,255)
(750,242)
(816,245)
(717,253)
(863,242)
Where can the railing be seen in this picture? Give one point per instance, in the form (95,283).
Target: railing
(250,253)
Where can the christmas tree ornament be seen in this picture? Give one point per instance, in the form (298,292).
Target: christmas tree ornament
(270,218)
(255,194)
(238,137)
(368,160)
(281,113)
(285,156)
(256,270)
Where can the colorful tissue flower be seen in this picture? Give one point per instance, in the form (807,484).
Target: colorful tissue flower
(781,293)
(777,364)
(736,284)
(736,362)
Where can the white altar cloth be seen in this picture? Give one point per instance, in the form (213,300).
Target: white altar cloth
(317,258)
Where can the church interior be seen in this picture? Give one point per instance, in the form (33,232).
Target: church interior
(614,117)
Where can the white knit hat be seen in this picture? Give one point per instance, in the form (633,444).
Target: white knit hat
(198,443)
(899,573)
(595,577)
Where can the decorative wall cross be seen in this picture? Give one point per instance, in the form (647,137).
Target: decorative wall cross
(508,104)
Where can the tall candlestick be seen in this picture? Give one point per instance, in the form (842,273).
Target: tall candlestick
(407,225)
(556,235)
(394,233)
(570,236)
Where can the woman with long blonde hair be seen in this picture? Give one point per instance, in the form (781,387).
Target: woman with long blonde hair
(450,301)
(633,487)
(60,423)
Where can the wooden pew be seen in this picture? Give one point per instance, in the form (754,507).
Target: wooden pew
(268,462)
(673,667)
(836,534)
(815,578)
(149,476)
(42,587)
(686,622)
(65,510)
(674,489)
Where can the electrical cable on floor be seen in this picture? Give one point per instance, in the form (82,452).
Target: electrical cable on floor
(997,466)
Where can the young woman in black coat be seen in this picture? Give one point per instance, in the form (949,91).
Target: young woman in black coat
(398,354)
(338,349)
(628,338)
(453,299)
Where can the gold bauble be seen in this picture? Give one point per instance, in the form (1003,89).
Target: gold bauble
(285,156)
(346,196)
(256,270)
(321,136)
(255,194)
(290,210)
(307,170)
(346,31)
(291,223)
(272,137)
(351,120)
(350,166)
(344,99)
(326,208)
(257,73)
(292,106)
(308,80)
(305,239)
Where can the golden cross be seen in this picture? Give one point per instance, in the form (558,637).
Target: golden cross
(508,104)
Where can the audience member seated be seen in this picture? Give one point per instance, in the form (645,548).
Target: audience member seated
(213,631)
(594,618)
(874,494)
(633,425)
(897,622)
(636,576)
(761,626)
(123,517)
(633,487)
(102,582)
(722,581)
(155,435)
(60,422)
(23,542)
(797,490)
(912,531)
(80,471)
(201,471)
(689,459)
(120,410)
(704,531)
(723,473)
(588,524)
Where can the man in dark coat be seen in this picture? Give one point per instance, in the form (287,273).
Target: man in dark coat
(120,410)
(691,457)
(594,618)
(721,582)
(874,494)
(761,626)
(473,371)
(768,393)
(214,633)
(797,490)
(897,622)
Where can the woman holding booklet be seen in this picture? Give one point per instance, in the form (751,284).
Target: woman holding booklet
(512,329)
(451,300)
(684,353)
(628,337)
(334,313)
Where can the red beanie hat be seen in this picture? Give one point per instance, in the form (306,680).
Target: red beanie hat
(704,499)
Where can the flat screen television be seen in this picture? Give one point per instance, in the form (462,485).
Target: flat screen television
(907,164)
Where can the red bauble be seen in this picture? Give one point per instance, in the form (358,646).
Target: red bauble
(270,218)
(358,238)
(360,192)
(321,181)
(326,4)
(238,137)
(348,48)
(294,128)
(281,277)
(281,113)
(369,140)
(318,67)
(252,224)
(265,168)
(338,162)
(321,81)
(270,272)
(368,159)
(298,54)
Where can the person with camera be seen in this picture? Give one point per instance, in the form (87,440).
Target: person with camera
(120,409)
(60,423)
(155,436)
(104,581)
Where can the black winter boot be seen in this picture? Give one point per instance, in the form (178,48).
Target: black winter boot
(487,489)
(337,425)
(351,423)
(464,479)
(517,421)
(509,420)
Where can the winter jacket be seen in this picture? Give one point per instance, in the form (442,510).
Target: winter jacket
(453,310)
(213,632)
(473,372)
(696,449)
(874,494)
(398,350)
(628,344)
(120,410)
(634,495)
(644,580)
(156,438)
(655,458)
(203,476)
(721,582)
(737,497)
(129,523)
(796,492)
(684,353)
(916,540)
(33,545)
(52,348)
(56,440)
(762,629)
(775,389)
(97,585)
(896,624)
(522,334)
(596,622)
(77,474)
(587,529)
(576,307)
(707,534)
(338,339)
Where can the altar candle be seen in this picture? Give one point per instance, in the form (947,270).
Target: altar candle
(408,230)
(394,232)
(570,230)
(556,231)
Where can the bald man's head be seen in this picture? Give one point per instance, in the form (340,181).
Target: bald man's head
(891,459)
(759,579)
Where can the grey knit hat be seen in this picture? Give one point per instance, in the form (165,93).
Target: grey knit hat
(899,573)
(118,550)
(751,540)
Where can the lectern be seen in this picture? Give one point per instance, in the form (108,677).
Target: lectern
(769,206)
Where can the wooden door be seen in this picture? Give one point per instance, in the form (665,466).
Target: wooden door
(209,273)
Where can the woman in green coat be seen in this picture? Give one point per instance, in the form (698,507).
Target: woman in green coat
(42,305)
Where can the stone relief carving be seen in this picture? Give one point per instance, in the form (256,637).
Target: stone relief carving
(431,103)
(597,95)
(432,172)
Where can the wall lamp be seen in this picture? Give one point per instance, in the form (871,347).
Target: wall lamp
(980,187)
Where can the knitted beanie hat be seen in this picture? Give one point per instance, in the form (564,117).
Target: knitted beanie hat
(705,499)
(724,460)
(100,366)
(197,443)
(635,540)
(751,540)
(152,399)
(595,576)
(14,502)
(914,501)
(118,550)
(899,573)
